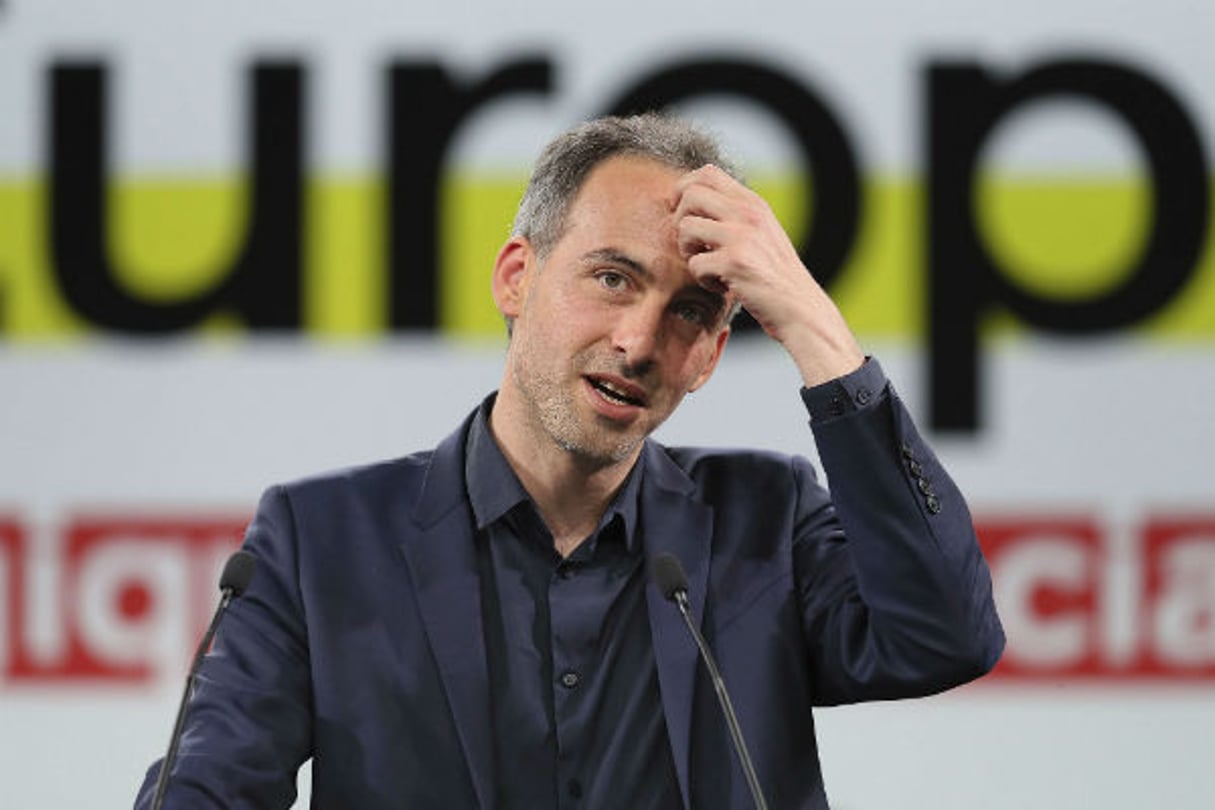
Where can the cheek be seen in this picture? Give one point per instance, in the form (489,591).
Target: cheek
(564,309)
(699,359)
(553,338)
(689,371)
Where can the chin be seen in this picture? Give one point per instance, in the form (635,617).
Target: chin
(604,451)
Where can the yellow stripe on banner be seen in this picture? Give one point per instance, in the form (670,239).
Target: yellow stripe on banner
(346,282)
(1068,238)
(29,303)
(1064,240)
(172,239)
(477,213)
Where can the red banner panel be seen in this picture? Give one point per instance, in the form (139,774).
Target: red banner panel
(122,599)
(112,599)
(1081,601)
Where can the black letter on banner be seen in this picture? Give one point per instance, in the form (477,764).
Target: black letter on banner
(263,285)
(830,227)
(427,107)
(966,104)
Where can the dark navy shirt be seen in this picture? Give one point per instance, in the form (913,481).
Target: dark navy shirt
(577,718)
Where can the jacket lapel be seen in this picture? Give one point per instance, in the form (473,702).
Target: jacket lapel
(443,564)
(673,522)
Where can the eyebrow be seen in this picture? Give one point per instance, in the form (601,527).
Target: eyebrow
(615,256)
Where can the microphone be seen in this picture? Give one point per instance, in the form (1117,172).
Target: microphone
(668,576)
(238,571)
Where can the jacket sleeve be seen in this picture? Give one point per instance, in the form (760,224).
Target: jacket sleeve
(895,595)
(248,726)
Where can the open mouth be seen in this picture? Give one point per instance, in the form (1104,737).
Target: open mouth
(616,393)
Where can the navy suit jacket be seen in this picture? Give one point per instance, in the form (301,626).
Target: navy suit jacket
(359,642)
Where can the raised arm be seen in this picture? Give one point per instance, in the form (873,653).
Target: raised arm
(732,240)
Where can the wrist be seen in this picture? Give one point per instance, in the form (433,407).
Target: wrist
(823,352)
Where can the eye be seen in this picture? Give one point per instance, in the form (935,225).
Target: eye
(693,313)
(611,279)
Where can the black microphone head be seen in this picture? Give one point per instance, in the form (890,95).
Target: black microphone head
(237,573)
(667,575)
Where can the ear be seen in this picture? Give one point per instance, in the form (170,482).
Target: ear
(719,345)
(512,275)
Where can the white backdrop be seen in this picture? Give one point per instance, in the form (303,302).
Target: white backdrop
(1097,452)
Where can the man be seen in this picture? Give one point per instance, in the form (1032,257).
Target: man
(473,626)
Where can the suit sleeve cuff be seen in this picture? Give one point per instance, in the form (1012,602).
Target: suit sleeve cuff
(861,389)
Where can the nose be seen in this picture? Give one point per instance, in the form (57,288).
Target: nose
(637,335)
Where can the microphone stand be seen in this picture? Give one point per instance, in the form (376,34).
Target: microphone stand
(236,575)
(680,597)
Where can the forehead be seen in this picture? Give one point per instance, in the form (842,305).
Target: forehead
(626,192)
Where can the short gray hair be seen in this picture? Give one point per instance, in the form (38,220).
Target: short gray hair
(565,163)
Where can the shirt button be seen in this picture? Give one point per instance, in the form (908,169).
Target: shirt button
(574,787)
(569,679)
(862,396)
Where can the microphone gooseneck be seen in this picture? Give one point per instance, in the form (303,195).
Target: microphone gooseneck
(238,571)
(668,576)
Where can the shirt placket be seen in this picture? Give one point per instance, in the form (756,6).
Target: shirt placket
(572,669)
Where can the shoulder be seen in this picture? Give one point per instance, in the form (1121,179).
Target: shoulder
(436,471)
(403,472)
(412,487)
(734,469)
(339,502)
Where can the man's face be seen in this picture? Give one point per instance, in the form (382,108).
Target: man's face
(611,330)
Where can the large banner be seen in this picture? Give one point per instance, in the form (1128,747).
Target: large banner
(241,243)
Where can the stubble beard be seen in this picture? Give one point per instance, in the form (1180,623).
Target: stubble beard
(555,411)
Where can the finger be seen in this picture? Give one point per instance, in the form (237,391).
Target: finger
(696,234)
(742,206)
(715,265)
(706,269)
(702,201)
(711,176)
(706,178)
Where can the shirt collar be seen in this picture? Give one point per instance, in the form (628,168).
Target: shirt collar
(494,489)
